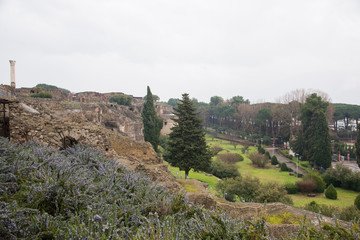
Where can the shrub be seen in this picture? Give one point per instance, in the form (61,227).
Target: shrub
(223,170)
(268,155)
(291,188)
(283,167)
(121,99)
(230,158)
(258,160)
(41,95)
(357,202)
(261,149)
(349,213)
(313,206)
(272,192)
(306,186)
(346,214)
(326,210)
(320,184)
(274,160)
(249,189)
(331,192)
(241,158)
(244,149)
(342,176)
(216,149)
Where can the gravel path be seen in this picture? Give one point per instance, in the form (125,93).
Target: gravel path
(282,159)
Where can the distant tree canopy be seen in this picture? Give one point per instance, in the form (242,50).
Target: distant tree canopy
(46,86)
(216,100)
(173,102)
(50,87)
(278,121)
(121,99)
(346,112)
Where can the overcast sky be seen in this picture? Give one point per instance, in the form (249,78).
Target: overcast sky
(259,49)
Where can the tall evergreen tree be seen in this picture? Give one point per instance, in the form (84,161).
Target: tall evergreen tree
(152,123)
(322,143)
(357,146)
(187,147)
(313,143)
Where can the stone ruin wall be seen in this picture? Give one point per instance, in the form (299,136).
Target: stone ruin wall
(95,108)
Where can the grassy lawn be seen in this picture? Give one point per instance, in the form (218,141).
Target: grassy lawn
(269,174)
(201,176)
(345,198)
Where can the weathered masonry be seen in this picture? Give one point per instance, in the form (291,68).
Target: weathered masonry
(4,118)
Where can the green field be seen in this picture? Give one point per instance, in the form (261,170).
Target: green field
(201,176)
(269,174)
(345,198)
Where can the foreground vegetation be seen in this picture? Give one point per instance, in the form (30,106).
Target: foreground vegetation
(79,194)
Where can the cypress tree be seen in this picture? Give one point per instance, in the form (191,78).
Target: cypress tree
(357,146)
(313,142)
(322,143)
(152,123)
(187,147)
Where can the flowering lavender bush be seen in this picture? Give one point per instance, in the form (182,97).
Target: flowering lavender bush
(79,194)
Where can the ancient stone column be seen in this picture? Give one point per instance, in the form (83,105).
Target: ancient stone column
(12,73)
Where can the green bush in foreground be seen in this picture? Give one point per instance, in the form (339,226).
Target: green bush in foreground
(331,192)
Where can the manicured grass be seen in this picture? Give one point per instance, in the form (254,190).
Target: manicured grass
(201,176)
(269,174)
(345,198)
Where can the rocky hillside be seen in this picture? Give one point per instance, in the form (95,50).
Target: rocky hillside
(57,124)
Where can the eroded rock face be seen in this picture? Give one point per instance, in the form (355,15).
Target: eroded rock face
(52,123)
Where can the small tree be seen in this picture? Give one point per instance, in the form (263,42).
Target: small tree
(259,160)
(283,167)
(274,160)
(152,123)
(187,147)
(331,192)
